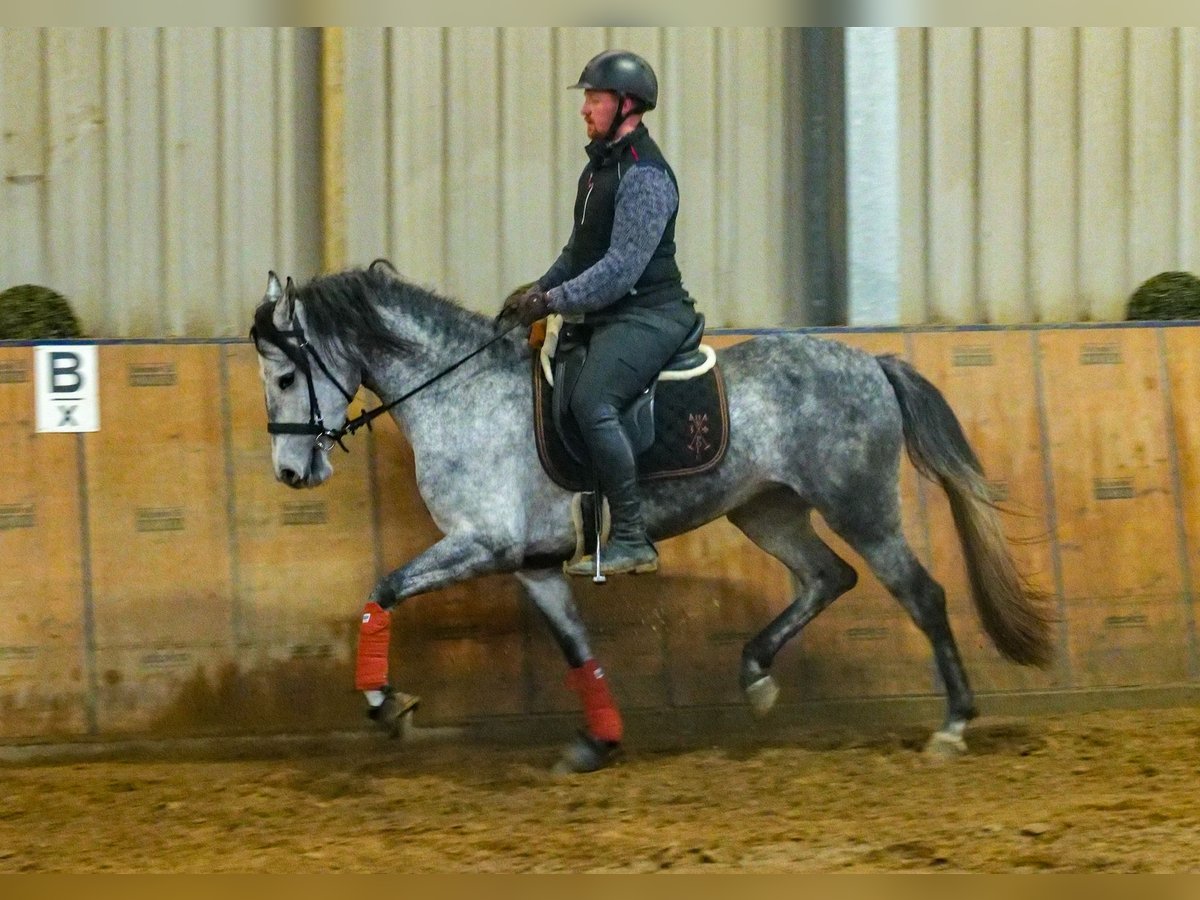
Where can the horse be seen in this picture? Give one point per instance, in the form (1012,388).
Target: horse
(814,424)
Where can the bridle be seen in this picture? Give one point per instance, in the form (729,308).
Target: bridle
(324,437)
(299,353)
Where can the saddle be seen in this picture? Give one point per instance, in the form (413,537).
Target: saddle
(678,426)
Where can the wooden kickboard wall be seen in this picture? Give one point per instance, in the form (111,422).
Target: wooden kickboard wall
(158,581)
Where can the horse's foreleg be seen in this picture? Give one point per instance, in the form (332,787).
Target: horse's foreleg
(455,558)
(551,595)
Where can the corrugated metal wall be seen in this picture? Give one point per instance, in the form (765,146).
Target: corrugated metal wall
(463,147)
(1046,172)
(154,174)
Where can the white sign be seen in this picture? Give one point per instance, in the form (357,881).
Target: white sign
(67,388)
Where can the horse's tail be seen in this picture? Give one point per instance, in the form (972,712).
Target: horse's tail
(1012,612)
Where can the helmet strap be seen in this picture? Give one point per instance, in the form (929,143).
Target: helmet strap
(618,119)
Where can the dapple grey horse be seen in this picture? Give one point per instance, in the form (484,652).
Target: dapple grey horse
(814,425)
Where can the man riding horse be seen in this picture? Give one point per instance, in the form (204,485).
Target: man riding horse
(318,342)
(618,275)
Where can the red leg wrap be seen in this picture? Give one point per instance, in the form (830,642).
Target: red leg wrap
(600,713)
(371,669)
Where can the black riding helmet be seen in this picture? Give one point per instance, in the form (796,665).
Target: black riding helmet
(624,73)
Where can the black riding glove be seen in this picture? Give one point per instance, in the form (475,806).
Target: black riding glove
(534,304)
(515,300)
(509,306)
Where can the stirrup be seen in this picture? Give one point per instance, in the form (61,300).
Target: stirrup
(598,576)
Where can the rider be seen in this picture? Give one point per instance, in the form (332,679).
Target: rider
(618,272)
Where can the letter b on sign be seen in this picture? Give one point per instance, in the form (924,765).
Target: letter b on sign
(64,372)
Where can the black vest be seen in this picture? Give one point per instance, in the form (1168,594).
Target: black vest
(595,209)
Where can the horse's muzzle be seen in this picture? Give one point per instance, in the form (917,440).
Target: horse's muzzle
(291,478)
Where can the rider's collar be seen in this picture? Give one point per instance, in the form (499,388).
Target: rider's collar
(602,153)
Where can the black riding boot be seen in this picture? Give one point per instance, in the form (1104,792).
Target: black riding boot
(628,549)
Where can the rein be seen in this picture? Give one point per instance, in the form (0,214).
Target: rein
(325,437)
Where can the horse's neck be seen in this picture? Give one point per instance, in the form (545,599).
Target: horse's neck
(441,339)
(441,331)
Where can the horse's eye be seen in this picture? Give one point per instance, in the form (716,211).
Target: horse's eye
(286,381)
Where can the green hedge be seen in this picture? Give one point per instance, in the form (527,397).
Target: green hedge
(30,312)
(1168,295)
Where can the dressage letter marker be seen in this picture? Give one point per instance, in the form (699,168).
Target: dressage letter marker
(68,388)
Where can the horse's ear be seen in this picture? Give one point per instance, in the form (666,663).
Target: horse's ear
(382,263)
(290,294)
(284,300)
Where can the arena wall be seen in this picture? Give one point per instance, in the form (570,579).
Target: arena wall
(158,581)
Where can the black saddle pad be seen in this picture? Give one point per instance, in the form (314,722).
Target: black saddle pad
(691,431)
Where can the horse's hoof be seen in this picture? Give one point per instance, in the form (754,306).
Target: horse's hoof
(395,713)
(945,745)
(585,754)
(762,695)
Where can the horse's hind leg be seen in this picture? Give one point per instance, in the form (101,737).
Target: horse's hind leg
(599,741)
(780,523)
(884,547)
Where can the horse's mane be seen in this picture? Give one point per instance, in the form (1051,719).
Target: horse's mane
(343,310)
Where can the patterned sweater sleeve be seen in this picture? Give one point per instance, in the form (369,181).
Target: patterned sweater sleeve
(558,272)
(646,200)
